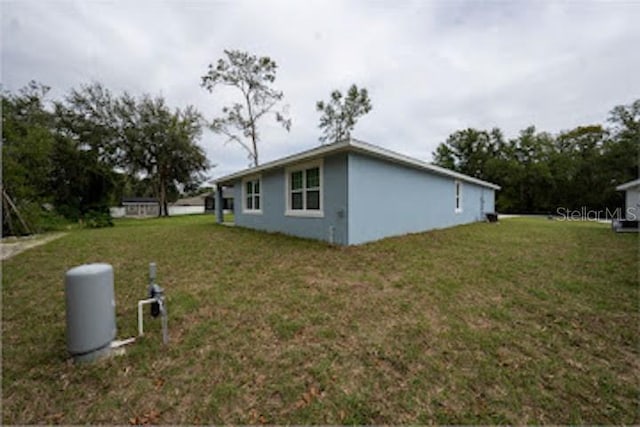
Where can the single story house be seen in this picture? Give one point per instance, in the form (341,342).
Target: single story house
(632,199)
(140,206)
(354,192)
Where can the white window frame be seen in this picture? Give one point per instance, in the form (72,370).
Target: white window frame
(315,213)
(252,211)
(457,194)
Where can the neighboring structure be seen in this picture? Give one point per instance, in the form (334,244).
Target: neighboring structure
(140,206)
(191,201)
(353,192)
(227,201)
(144,207)
(188,206)
(632,199)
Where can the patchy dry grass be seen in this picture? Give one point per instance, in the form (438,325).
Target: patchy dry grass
(525,321)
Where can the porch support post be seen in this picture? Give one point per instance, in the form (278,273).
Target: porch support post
(219,213)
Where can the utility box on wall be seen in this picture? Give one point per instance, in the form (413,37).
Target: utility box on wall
(91,318)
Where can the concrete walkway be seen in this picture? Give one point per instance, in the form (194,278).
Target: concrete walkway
(13,246)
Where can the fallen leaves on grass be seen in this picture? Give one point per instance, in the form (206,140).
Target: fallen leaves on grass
(256,418)
(55,418)
(159,383)
(150,417)
(308,396)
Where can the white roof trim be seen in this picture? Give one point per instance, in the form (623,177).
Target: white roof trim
(628,185)
(357,146)
(410,161)
(285,161)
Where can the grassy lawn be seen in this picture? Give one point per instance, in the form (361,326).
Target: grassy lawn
(525,321)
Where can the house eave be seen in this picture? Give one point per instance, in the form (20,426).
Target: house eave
(285,161)
(628,185)
(356,146)
(385,154)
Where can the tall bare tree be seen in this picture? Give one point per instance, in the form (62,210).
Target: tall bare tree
(253,77)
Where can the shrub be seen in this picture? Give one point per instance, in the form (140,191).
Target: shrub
(50,220)
(98,218)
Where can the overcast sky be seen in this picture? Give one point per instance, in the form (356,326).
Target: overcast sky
(431,68)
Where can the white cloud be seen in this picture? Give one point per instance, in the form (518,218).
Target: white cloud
(431,67)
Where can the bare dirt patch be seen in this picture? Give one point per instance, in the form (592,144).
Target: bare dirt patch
(14,246)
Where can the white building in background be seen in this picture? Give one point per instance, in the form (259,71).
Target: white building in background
(632,199)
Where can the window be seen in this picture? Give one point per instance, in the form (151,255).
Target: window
(458,196)
(251,197)
(304,190)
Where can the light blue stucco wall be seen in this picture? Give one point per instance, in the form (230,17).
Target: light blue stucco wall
(273,200)
(386,199)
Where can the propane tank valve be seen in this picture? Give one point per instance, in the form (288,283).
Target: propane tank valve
(157,302)
(155,292)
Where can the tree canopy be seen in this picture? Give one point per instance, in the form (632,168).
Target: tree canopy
(48,174)
(162,148)
(341,113)
(540,172)
(74,157)
(141,136)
